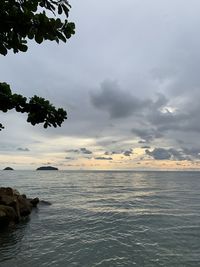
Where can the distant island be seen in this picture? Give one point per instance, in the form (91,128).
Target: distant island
(8,169)
(47,168)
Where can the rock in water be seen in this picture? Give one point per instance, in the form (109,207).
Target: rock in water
(13,206)
(7,216)
(44,202)
(34,201)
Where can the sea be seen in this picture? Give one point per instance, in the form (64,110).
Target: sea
(105,219)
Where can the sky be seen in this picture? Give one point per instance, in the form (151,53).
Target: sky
(129,80)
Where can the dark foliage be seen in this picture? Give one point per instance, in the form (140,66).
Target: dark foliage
(21,20)
(38,109)
(27,19)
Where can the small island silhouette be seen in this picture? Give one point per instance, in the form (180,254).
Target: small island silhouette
(47,168)
(8,169)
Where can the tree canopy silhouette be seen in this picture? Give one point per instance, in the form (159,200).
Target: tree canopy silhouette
(38,20)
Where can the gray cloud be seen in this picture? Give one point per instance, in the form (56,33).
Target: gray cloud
(192,152)
(107,153)
(170,121)
(145,147)
(178,154)
(82,150)
(73,150)
(118,103)
(103,158)
(147,134)
(112,153)
(159,153)
(23,149)
(141,142)
(174,154)
(176,125)
(46,163)
(85,151)
(128,153)
(69,158)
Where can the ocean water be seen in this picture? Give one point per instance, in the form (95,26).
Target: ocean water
(105,219)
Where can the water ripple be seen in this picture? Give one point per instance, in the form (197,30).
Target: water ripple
(106,219)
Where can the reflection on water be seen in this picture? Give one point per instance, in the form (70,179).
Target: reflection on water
(106,219)
(10,240)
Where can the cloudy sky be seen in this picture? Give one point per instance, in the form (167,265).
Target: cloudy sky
(129,80)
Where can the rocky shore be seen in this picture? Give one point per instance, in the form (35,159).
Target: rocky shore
(14,207)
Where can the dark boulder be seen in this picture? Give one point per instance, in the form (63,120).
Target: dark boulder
(25,206)
(8,216)
(13,206)
(34,201)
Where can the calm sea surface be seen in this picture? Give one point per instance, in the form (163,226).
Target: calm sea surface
(105,219)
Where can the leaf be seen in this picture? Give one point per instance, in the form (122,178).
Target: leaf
(3,50)
(66,10)
(61,37)
(38,38)
(58,23)
(59,9)
(23,48)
